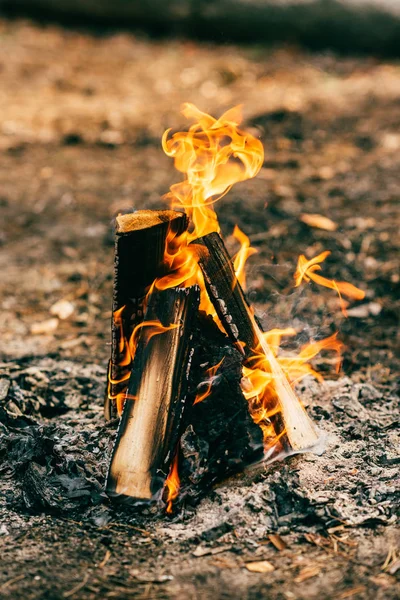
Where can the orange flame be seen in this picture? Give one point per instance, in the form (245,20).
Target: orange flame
(240,259)
(212,373)
(306,269)
(259,379)
(172,484)
(213,154)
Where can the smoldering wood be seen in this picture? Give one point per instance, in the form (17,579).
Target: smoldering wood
(157,395)
(220,437)
(139,260)
(288,416)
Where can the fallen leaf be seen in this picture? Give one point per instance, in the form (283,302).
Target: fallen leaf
(307,573)
(382,580)
(318,221)
(277,541)
(261,566)
(62,309)
(44,327)
(352,592)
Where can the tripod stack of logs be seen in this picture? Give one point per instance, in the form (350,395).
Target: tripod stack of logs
(154,385)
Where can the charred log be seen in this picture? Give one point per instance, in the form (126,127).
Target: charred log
(220,437)
(157,395)
(139,259)
(290,419)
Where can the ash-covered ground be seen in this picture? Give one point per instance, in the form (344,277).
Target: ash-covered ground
(82,117)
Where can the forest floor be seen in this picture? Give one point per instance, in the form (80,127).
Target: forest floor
(81,120)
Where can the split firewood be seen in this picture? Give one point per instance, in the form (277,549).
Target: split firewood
(139,258)
(290,420)
(220,437)
(149,429)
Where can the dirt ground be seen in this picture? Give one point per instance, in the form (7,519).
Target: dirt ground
(81,121)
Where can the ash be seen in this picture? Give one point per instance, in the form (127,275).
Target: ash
(54,449)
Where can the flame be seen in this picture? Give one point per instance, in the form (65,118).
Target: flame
(306,269)
(172,484)
(213,154)
(212,375)
(260,379)
(240,259)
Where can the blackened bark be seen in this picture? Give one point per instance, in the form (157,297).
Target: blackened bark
(220,437)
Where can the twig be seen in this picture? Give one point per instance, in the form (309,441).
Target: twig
(105,560)
(11,581)
(111,525)
(77,587)
(391,557)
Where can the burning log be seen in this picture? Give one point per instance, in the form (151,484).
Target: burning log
(139,258)
(220,437)
(157,394)
(289,418)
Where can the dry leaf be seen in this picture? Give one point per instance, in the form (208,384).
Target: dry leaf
(261,566)
(382,580)
(277,541)
(352,592)
(318,221)
(307,573)
(62,309)
(44,327)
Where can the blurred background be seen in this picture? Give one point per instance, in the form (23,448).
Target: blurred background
(86,90)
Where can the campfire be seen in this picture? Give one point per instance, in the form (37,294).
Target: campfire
(200,389)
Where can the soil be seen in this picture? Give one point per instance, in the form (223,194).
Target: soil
(82,117)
